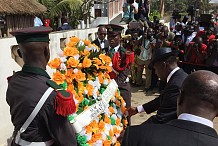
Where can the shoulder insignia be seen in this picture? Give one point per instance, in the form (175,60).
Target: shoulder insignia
(64,100)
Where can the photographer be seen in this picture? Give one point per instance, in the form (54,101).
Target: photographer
(196,52)
(179,45)
(129,9)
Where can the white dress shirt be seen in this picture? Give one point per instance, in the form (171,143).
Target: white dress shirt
(101,43)
(140,107)
(197,119)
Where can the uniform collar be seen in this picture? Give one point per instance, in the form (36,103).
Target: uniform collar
(115,48)
(35,70)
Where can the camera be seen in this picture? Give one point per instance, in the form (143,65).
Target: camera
(130,1)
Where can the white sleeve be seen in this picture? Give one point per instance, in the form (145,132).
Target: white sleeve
(140,109)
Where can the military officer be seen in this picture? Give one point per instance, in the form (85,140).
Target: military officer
(121,60)
(48,123)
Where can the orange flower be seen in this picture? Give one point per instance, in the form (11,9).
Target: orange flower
(97,136)
(90,89)
(101,125)
(85,107)
(80,76)
(87,62)
(105,59)
(107,119)
(123,109)
(80,66)
(70,88)
(118,103)
(72,62)
(107,143)
(111,133)
(87,42)
(86,53)
(55,64)
(125,122)
(103,67)
(58,77)
(109,68)
(96,61)
(70,51)
(118,121)
(111,109)
(69,75)
(100,77)
(73,41)
(88,129)
(117,144)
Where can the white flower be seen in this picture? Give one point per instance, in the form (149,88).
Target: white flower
(114,116)
(104,136)
(81,43)
(83,132)
(60,53)
(76,57)
(88,136)
(114,139)
(97,83)
(98,143)
(75,70)
(106,82)
(110,64)
(63,66)
(87,48)
(85,92)
(63,59)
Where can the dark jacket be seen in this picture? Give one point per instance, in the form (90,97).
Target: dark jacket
(174,133)
(106,45)
(25,88)
(166,103)
(65,26)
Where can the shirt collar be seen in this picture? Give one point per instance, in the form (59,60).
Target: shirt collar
(100,40)
(197,119)
(35,70)
(171,73)
(116,48)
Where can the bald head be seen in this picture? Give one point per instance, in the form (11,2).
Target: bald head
(199,95)
(102,31)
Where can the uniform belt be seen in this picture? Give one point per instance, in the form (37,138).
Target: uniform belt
(27,143)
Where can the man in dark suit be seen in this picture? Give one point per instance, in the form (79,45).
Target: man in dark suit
(30,88)
(197,108)
(165,64)
(101,41)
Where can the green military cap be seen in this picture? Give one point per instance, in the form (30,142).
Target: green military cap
(32,34)
(113,29)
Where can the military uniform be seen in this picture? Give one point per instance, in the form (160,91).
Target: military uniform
(25,89)
(121,60)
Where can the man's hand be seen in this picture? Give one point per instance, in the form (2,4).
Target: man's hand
(132,111)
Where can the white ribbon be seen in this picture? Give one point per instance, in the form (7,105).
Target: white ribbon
(88,115)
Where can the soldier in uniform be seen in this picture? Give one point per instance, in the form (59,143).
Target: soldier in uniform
(121,60)
(26,89)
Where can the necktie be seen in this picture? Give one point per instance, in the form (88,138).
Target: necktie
(102,41)
(112,50)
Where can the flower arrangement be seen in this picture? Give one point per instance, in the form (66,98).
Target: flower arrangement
(82,69)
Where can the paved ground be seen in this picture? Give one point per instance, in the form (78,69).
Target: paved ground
(138,97)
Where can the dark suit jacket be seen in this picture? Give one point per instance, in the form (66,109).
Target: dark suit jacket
(166,103)
(106,45)
(174,133)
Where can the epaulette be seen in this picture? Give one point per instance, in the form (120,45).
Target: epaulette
(64,101)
